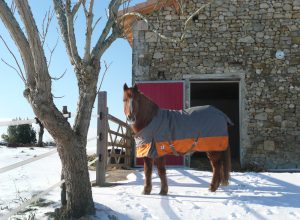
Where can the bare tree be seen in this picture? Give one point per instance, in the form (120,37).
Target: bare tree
(71,141)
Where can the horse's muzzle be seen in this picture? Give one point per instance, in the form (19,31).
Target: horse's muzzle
(131,119)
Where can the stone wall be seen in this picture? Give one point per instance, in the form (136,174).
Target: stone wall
(236,36)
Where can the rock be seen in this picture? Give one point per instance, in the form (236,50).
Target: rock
(277,118)
(168,17)
(264,6)
(247,39)
(261,116)
(157,55)
(269,145)
(287,7)
(151,37)
(260,34)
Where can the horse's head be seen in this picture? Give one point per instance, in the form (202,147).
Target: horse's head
(130,99)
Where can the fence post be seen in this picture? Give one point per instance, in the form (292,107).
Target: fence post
(129,148)
(132,150)
(102,129)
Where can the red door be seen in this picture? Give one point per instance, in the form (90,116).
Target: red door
(167,95)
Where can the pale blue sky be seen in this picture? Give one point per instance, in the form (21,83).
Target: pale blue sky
(13,104)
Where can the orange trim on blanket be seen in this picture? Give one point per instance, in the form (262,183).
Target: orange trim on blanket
(183,146)
(142,151)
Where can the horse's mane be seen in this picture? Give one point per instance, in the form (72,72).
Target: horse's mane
(147,110)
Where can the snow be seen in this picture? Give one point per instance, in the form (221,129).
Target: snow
(249,195)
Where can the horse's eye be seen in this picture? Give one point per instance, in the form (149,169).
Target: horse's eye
(124,100)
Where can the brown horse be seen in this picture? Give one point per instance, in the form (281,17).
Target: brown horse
(140,112)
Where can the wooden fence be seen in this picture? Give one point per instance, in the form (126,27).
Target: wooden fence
(114,145)
(114,148)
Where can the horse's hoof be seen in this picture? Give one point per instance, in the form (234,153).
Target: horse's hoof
(212,189)
(163,193)
(146,192)
(225,183)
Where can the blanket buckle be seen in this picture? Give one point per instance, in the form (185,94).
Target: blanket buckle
(173,149)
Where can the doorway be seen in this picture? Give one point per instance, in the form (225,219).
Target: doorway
(224,95)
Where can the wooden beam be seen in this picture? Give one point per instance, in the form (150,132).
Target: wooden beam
(102,129)
(119,145)
(119,134)
(116,120)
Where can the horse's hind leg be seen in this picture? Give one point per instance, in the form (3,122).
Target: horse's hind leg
(148,162)
(215,161)
(161,168)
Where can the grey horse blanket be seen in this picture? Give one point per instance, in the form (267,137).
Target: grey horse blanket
(202,128)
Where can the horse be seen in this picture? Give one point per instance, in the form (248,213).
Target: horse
(145,117)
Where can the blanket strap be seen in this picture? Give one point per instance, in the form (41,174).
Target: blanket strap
(173,149)
(172,146)
(190,149)
(193,145)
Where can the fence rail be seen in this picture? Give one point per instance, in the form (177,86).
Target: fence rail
(24,162)
(45,192)
(18,122)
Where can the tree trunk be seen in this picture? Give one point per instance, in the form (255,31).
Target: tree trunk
(71,145)
(71,142)
(77,180)
(41,133)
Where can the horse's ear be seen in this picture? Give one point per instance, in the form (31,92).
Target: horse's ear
(135,88)
(125,87)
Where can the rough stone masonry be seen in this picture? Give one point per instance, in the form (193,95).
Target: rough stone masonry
(235,36)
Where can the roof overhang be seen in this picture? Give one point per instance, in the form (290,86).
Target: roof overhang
(145,8)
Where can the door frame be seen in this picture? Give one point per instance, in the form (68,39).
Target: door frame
(224,78)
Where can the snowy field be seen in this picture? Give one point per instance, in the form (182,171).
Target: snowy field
(249,196)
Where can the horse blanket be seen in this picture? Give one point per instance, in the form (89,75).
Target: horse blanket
(202,128)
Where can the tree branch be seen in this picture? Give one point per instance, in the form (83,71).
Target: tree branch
(89,30)
(58,78)
(191,17)
(21,42)
(106,44)
(51,53)
(152,28)
(15,69)
(70,13)
(112,19)
(46,24)
(38,85)
(43,80)
(19,72)
(96,23)
(62,21)
(13,7)
(76,7)
(155,30)
(103,75)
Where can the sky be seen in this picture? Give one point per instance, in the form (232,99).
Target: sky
(119,56)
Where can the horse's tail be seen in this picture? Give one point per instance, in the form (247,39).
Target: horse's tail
(225,167)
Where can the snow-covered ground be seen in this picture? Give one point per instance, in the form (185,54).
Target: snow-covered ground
(249,196)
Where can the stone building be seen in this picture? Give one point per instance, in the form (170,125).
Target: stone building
(241,55)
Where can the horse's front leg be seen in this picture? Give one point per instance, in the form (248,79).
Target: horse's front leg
(214,158)
(148,162)
(161,168)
